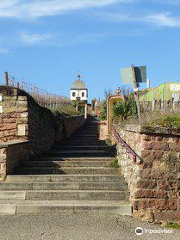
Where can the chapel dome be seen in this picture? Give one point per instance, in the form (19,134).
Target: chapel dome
(78,84)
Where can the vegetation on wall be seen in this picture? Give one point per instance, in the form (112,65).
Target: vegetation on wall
(167,119)
(67,110)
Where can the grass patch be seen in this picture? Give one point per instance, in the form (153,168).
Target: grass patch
(108,142)
(114,164)
(167,121)
(157,119)
(67,110)
(173,225)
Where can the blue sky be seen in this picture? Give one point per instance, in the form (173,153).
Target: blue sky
(49,42)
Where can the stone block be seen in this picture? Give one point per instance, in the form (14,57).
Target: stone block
(142,193)
(168,185)
(147,184)
(9,120)
(172,204)
(147,203)
(145,137)
(22,98)
(169,216)
(22,104)
(148,146)
(24,115)
(21,130)
(144,215)
(145,153)
(172,194)
(161,146)
(145,173)
(159,139)
(3,167)
(161,204)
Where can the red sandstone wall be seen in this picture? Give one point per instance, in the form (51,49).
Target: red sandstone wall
(155,184)
(24,119)
(103,130)
(12,154)
(14,118)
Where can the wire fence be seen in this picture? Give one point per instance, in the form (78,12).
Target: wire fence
(158,105)
(165,97)
(42,97)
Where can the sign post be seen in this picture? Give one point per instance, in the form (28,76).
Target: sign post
(135,76)
(136,95)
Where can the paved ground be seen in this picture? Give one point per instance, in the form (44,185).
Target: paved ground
(76,227)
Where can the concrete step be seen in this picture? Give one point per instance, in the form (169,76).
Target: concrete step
(15,186)
(83,147)
(88,130)
(63,178)
(66,170)
(86,140)
(63,195)
(85,130)
(49,163)
(67,207)
(80,154)
(75,159)
(85,136)
(84,143)
(91,151)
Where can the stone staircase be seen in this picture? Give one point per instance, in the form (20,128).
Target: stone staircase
(73,177)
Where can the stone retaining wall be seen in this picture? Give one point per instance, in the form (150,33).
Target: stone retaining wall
(14,115)
(155,183)
(12,153)
(103,130)
(21,118)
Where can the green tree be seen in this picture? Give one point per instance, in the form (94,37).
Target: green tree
(103,111)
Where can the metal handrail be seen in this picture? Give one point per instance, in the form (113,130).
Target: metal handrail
(136,158)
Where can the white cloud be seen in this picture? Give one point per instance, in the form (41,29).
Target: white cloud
(40,8)
(35,39)
(163,20)
(155,19)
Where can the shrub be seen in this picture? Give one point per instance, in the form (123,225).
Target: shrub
(103,111)
(125,109)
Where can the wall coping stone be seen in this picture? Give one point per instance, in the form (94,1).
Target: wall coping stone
(152,130)
(13,142)
(102,123)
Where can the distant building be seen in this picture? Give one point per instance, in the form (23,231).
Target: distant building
(79,92)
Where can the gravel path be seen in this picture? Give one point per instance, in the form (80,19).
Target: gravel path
(77,227)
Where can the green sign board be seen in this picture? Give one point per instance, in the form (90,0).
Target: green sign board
(127,75)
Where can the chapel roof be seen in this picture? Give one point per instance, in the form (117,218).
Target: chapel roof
(78,84)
